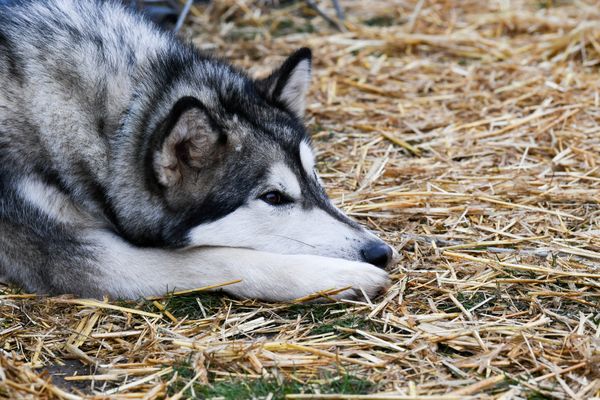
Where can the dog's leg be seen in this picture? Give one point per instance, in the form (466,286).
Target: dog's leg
(131,272)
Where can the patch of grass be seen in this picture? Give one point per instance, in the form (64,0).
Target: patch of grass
(380,20)
(353,321)
(543,4)
(448,307)
(468,301)
(316,128)
(324,318)
(471,300)
(504,386)
(141,304)
(317,313)
(237,389)
(182,306)
(537,396)
(184,369)
(288,26)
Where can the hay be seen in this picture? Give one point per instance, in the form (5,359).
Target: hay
(467,134)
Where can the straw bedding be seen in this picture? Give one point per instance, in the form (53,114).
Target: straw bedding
(467,135)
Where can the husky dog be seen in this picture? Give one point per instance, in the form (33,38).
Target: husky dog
(132,164)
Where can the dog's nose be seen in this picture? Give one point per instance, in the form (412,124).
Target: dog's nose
(378,254)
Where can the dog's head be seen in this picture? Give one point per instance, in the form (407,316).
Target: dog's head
(232,161)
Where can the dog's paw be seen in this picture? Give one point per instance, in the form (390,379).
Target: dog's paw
(279,277)
(366,279)
(323,274)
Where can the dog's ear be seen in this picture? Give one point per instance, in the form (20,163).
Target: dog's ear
(185,139)
(289,83)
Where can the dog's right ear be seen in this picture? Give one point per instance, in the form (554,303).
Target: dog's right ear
(288,85)
(185,139)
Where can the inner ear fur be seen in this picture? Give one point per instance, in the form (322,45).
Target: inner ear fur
(188,142)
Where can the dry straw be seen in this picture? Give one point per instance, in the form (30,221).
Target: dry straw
(465,133)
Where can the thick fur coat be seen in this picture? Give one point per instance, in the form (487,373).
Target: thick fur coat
(132,164)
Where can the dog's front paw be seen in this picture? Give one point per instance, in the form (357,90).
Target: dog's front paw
(366,279)
(323,274)
(278,277)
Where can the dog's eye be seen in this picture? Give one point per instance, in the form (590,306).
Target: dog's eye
(275,198)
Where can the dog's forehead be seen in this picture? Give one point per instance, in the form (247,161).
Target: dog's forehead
(271,138)
(257,126)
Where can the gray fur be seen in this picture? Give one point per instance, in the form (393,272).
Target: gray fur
(111,128)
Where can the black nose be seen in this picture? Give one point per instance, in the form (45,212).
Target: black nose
(378,254)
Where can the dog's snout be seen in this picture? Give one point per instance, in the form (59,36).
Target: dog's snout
(378,254)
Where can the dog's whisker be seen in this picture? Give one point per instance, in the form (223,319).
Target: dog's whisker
(296,240)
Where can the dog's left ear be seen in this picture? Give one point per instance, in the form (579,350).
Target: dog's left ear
(289,84)
(184,141)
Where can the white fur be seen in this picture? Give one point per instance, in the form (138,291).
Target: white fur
(50,201)
(286,231)
(131,272)
(282,178)
(296,87)
(307,158)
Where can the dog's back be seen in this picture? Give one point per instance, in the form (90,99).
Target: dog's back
(66,73)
